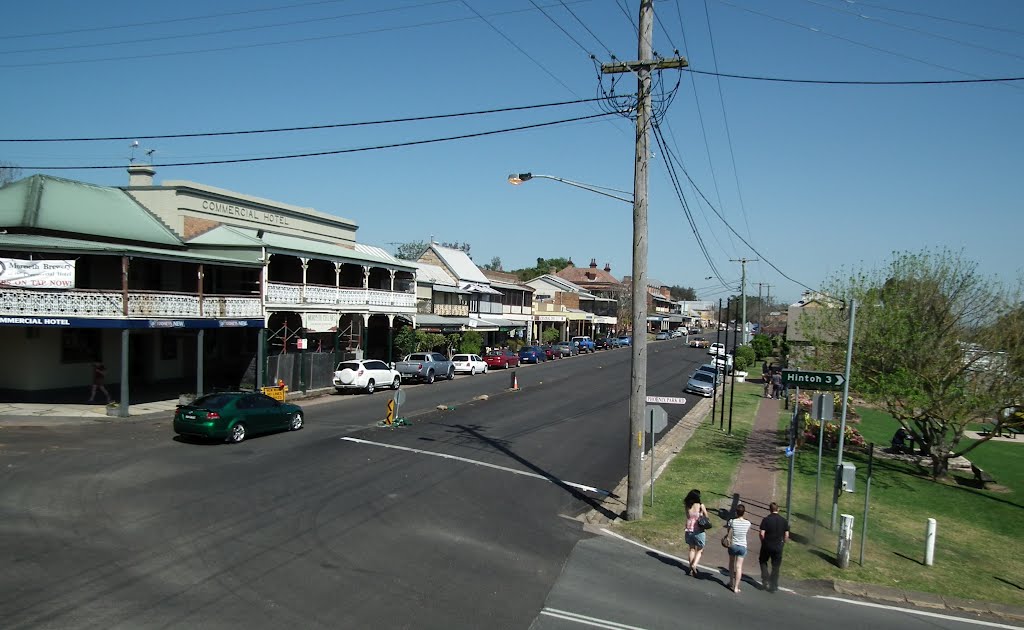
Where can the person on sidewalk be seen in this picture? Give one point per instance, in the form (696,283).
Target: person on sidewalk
(99,375)
(738,528)
(777,384)
(774,534)
(695,536)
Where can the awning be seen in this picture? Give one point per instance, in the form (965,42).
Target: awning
(482,325)
(444,288)
(573,314)
(502,322)
(62,245)
(475,287)
(442,322)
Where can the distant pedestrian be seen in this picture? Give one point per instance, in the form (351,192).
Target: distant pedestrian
(99,376)
(738,528)
(777,384)
(774,534)
(695,536)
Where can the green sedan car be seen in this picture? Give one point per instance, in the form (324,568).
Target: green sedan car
(231,416)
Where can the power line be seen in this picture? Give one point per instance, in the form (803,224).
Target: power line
(208,134)
(936,17)
(629,18)
(869,18)
(731,229)
(170,20)
(838,82)
(852,41)
(567,33)
(378,147)
(584,25)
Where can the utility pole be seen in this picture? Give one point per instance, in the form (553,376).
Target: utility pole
(743,296)
(760,303)
(638,371)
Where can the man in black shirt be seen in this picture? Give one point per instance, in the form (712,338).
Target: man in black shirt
(774,534)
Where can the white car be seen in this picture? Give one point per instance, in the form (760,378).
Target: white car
(470,364)
(716,349)
(366,376)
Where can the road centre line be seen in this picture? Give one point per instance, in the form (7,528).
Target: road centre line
(589,621)
(922,613)
(554,480)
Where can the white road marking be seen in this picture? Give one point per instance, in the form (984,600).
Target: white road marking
(578,486)
(922,613)
(588,621)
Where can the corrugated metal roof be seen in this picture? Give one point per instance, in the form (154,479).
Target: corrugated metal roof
(509,285)
(63,205)
(227,235)
(39,243)
(460,263)
(432,274)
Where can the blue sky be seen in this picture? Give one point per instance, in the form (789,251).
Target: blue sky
(818,178)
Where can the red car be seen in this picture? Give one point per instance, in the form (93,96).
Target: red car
(501,359)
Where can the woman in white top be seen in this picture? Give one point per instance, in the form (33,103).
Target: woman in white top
(695,536)
(738,528)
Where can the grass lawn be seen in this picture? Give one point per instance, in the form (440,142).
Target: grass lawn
(708,461)
(978,543)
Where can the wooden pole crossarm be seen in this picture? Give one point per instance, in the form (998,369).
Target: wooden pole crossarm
(633,66)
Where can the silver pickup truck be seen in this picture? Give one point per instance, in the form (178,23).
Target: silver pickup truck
(425,366)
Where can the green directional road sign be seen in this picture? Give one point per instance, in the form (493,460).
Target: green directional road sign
(812,380)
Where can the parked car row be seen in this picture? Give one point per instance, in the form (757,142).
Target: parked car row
(703,381)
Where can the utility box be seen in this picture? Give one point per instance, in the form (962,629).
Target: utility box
(847,477)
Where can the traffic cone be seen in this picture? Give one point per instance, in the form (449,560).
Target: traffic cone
(515,382)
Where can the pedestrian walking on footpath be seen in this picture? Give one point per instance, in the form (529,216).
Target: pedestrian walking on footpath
(99,375)
(738,528)
(774,534)
(695,536)
(777,384)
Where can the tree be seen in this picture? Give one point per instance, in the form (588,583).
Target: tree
(678,293)
(933,345)
(625,311)
(471,342)
(544,265)
(405,341)
(462,247)
(494,265)
(411,250)
(550,335)
(9,173)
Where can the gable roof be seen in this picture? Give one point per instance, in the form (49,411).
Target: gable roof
(504,280)
(578,275)
(432,274)
(43,202)
(460,264)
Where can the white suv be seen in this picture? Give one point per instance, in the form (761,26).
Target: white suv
(716,349)
(365,375)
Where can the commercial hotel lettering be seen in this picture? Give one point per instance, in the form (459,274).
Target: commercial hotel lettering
(242,212)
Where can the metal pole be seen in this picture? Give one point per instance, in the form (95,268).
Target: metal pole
(867,497)
(792,457)
(732,382)
(199,363)
(638,370)
(653,438)
(261,357)
(743,305)
(842,420)
(718,339)
(817,480)
(122,409)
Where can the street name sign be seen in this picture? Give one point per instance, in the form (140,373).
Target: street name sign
(666,400)
(813,380)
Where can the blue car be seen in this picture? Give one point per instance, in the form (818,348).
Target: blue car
(625,340)
(532,354)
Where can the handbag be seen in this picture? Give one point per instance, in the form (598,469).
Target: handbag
(726,542)
(704,523)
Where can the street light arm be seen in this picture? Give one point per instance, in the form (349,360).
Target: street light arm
(518,178)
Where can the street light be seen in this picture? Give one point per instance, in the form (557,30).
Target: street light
(518,178)
(638,347)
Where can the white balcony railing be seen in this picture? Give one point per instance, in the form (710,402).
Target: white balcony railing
(94,303)
(279,293)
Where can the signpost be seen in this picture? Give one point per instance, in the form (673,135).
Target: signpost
(813,380)
(655,421)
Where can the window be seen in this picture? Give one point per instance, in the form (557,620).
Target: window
(376,365)
(81,345)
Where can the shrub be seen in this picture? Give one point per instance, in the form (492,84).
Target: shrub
(744,357)
(762,345)
(811,427)
(405,341)
(471,342)
(551,335)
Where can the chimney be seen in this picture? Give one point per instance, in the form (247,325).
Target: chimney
(140,175)
(593,263)
(608,267)
(570,263)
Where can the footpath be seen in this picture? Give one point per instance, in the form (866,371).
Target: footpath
(754,485)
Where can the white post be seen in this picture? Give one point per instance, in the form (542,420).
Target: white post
(929,543)
(845,540)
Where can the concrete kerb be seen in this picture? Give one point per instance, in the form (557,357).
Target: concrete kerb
(889,595)
(665,450)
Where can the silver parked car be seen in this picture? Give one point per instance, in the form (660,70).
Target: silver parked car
(701,383)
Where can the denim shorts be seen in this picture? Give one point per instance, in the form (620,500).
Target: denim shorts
(737,551)
(695,539)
